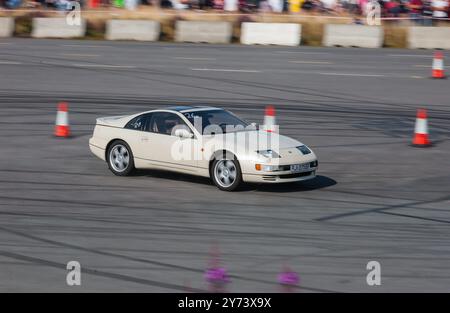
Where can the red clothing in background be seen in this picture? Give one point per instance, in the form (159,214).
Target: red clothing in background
(414,3)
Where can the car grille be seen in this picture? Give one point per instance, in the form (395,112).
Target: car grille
(270,178)
(295,175)
(286,176)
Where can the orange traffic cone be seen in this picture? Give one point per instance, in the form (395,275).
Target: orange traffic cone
(62,121)
(438,65)
(421,130)
(269,120)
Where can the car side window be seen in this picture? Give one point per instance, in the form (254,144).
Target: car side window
(166,123)
(138,123)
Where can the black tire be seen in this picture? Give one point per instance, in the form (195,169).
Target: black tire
(114,167)
(222,185)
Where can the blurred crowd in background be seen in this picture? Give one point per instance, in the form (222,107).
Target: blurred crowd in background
(418,10)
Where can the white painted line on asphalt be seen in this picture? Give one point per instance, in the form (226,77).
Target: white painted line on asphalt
(10,62)
(311,62)
(200,59)
(224,70)
(352,74)
(5,43)
(411,55)
(103,65)
(416,77)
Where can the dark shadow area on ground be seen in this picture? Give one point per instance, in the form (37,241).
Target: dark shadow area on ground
(317,183)
(173,176)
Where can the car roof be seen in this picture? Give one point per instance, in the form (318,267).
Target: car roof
(180,109)
(186,108)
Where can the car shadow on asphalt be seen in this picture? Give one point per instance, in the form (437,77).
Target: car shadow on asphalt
(317,183)
(173,176)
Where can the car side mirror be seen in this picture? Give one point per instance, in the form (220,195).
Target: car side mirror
(183,133)
(255,126)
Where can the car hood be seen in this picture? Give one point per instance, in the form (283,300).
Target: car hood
(257,139)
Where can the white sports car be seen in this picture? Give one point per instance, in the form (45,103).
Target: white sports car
(204,141)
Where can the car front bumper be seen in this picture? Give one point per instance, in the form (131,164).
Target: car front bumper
(283,175)
(279,178)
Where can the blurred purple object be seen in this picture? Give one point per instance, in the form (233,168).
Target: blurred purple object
(288,278)
(217,275)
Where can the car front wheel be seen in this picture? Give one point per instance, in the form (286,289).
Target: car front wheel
(120,158)
(226,174)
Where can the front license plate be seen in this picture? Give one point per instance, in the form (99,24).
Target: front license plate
(299,167)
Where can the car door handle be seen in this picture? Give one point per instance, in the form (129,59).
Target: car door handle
(144,139)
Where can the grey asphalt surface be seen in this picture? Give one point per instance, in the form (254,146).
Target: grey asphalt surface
(377,198)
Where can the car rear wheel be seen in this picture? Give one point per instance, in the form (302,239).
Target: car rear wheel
(120,158)
(226,173)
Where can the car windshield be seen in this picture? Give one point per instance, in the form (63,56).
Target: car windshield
(215,121)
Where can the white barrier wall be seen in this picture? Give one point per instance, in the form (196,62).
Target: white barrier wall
(132,30)
(6,26)
(429,38)
(284,34)
(55,27)
(209,32)
(353,36)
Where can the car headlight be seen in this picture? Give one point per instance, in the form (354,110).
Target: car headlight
(270,168)
(268,153)
(304,149)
